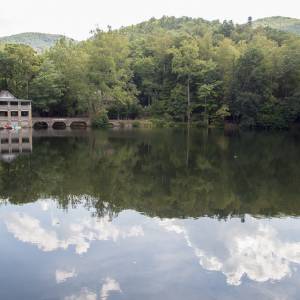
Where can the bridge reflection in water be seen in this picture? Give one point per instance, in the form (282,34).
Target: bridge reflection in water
(14,143)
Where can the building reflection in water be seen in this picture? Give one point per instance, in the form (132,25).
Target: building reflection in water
(14,143)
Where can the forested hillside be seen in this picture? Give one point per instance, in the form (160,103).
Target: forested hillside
(171,70)
(38,41)
(280,23)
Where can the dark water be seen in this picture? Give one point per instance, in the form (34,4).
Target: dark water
(149,214)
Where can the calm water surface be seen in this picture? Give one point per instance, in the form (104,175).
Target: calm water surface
(149,214)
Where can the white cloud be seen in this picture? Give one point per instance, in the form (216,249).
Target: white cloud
(257,252)
(110,285)
(55,222)
(80,234)
(29,230)
(44,204)
(84,294)
(169,225)
(62,275)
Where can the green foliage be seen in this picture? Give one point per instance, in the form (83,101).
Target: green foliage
(169,70)
(47,89)
(136,124)
(100,120)
(18,66)
(221,115)
(162,123)
(251,87)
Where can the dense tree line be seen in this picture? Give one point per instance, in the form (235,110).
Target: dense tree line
(174,69)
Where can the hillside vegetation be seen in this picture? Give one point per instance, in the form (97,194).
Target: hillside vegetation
(38,41)
(169,69)
(280,23)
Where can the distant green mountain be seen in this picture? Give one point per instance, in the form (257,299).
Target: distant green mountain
(38,41)
(280,23)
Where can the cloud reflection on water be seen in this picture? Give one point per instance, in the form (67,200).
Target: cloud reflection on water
(109,285)
(63,275)
(84,294)
(256,251)
(79,234)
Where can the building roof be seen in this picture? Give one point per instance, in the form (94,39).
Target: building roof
(6,95)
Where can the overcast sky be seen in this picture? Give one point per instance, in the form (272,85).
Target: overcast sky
(76,18)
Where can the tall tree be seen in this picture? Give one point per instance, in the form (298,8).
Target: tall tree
(185,63)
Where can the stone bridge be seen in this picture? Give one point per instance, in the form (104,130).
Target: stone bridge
(60,122)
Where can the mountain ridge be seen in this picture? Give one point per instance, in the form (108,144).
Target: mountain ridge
(37,40)
(42,41)
(281,23)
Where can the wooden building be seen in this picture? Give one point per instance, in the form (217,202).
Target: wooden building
(14,112)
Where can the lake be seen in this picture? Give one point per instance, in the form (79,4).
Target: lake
(149,214)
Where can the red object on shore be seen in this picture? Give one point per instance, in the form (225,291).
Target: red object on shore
(7,126)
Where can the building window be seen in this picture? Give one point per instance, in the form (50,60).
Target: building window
(14,113)
(3,114)
(25,140)
(24,113)
(15,141)
(25,103)
(14,103)
(4,141)
(3,103)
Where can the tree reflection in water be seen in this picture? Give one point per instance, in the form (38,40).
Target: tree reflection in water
(145,170)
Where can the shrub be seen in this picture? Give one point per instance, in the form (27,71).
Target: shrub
(136,124)
(100,120)
(162,123)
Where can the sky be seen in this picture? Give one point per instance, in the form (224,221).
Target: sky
(76,18)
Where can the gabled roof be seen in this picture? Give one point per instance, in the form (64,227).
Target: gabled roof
(6,95)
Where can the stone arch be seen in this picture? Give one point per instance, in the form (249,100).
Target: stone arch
(40,125)
(78,124)
(59,125)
